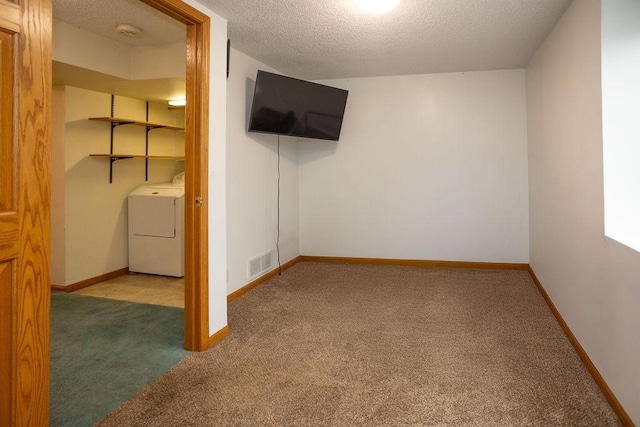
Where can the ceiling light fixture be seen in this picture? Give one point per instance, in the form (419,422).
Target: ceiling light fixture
(377,6)
(129,30)
(178,102)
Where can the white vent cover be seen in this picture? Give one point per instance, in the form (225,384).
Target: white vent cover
(259,264)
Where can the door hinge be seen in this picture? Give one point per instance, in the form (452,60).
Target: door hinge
(199,202)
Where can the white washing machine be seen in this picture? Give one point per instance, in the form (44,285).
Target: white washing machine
(156,228)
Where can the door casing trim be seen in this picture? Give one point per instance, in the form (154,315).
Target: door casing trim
(196,336)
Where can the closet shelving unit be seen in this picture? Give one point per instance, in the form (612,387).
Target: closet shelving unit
(114,122)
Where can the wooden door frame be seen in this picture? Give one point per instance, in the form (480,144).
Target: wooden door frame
(196,254)
(25,234)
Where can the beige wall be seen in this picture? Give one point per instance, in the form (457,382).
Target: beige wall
(429,166)
(95,211)
(592,280)
(252,191)
(78,47)
(85,49)
(57,186)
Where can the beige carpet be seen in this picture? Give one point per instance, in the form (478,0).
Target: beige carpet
(351,345)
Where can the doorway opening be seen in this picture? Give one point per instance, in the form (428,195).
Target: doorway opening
(195,166)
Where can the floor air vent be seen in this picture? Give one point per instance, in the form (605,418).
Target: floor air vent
(259,264)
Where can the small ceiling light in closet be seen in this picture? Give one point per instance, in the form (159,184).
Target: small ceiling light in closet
(377,6)
(178,102)
(128,30)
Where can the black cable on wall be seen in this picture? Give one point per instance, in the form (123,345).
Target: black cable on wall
(278,215)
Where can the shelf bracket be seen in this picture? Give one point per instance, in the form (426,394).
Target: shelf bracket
(115,122)
(146,145)
(149,128)
(113,126)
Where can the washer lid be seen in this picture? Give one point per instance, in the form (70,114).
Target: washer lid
(158,191)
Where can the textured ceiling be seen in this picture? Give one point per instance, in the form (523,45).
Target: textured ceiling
(333,39)
(101,17)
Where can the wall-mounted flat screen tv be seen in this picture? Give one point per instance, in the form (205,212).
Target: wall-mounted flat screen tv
(287,106)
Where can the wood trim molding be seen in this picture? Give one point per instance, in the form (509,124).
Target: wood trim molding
(91,281)
(200,161)
(375,261)
(196,166)
(416,263)
(10,16)
(217,337)
(608,394)
(178,10)
(260,280)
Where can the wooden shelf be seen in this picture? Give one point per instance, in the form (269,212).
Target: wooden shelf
(136,156)
(116,121)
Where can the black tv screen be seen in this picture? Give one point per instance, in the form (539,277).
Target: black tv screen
(287,106)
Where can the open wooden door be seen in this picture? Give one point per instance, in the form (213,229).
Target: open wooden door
(25,89)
